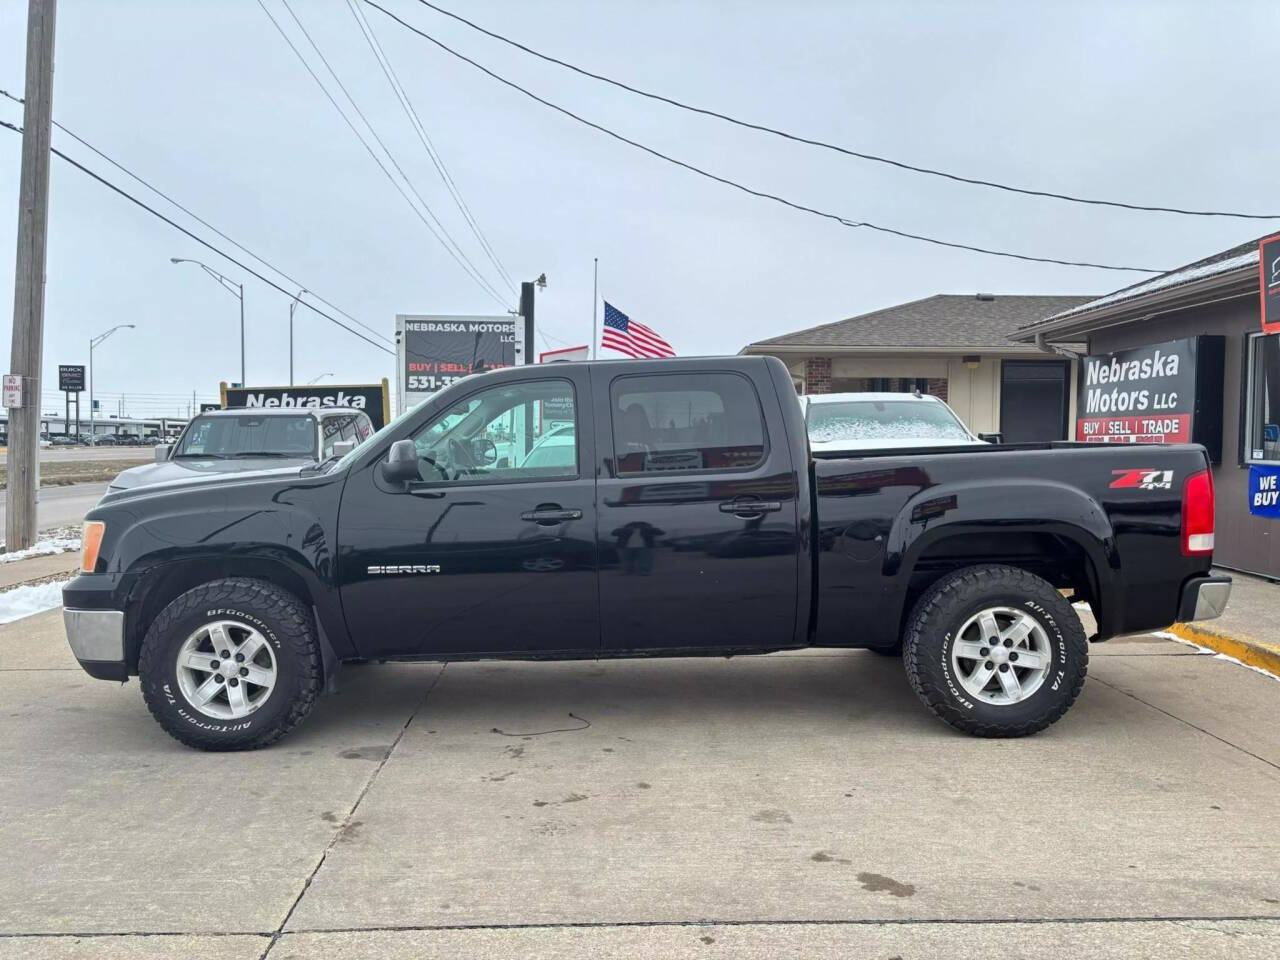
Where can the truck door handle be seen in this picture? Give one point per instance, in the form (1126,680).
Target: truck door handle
(550,514)
(750,509)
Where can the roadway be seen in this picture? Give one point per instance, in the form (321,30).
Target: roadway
(60,506)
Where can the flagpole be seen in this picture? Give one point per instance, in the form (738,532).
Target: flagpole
(595,305)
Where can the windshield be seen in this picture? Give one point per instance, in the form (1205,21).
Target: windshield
(860,420)
(249,435)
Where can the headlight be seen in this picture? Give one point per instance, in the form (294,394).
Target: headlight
(90,543)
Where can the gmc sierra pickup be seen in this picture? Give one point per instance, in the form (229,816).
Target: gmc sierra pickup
(678,512)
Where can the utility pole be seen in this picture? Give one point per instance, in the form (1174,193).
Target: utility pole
(27,350)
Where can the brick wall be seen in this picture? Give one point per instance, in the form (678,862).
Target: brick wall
(938,387)
(817,375)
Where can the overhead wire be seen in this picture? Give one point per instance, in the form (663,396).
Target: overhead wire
(203,242)
(415,121)
(762,128)
(459,257)
(205,223)
(762,194)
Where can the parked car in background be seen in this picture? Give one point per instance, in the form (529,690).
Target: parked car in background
(235,441)
(882,421)
(64,440)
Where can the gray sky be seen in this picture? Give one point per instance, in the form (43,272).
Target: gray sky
(1167,103)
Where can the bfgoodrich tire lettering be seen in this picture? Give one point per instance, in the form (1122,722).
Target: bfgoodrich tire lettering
(263,610)
(930,647)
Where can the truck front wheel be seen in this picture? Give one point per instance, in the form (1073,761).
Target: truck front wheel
(231,665)
(995,651)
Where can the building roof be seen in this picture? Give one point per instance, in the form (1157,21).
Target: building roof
(1221,269)
(944,323)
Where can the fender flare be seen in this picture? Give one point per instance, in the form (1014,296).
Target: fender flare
(1003,506)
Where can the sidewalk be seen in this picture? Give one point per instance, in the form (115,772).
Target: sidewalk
(1248,630)
(36,569)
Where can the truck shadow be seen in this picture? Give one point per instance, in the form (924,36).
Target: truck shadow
(841,687)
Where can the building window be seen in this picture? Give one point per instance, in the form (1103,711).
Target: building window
(1262,414)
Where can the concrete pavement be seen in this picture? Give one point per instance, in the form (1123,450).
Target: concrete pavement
(792,804)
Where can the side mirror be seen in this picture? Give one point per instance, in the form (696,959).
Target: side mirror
(991,437)
(162,453)
(401,465)
(342,447)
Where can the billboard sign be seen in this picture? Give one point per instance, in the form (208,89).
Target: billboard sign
(1168,392)
(71,377)
(372,398)
(434,351)
(1269,282)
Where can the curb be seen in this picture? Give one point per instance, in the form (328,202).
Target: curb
(1263,656)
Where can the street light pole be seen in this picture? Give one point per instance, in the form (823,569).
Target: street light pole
(93,342)
(233,288)
(292,307)
(314,379)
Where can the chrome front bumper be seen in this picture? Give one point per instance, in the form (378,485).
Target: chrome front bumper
(1204,598)
(97,640)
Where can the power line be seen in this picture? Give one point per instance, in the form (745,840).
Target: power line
(750,190)
(420,129)
(194,216)
(459,257)
(836,147)
(200,240)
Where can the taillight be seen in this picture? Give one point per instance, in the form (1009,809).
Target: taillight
(1197,514)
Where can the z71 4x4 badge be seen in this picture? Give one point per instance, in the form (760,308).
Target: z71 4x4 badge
(1142,479)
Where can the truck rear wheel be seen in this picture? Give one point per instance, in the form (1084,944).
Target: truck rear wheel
(995,651)
(231,665)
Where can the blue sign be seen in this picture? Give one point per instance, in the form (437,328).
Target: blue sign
(1264,491)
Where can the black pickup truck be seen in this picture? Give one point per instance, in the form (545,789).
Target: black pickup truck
(637,509)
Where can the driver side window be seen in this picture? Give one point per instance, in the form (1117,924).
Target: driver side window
(520,431)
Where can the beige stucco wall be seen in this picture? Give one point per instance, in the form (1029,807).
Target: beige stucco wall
(975,394)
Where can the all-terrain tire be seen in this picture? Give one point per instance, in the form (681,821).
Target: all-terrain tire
(278,617)
(932,631)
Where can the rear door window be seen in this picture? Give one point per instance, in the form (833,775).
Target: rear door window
(686,422)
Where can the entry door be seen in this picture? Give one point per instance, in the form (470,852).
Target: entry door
(698,535)
(493,549)
(1033,400)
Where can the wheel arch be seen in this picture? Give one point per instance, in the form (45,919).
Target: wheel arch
(1049,529)
(160,584)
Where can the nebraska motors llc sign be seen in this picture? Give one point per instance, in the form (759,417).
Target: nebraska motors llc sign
(1167,392)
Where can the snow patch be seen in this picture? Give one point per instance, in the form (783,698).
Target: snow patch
(42,548)
(1172,279)
(27,600)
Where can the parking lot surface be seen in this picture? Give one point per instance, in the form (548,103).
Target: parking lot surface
(795,804)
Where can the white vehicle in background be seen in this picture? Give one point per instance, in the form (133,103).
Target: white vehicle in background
(881,421)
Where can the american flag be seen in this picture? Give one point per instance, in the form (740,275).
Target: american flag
(623,334)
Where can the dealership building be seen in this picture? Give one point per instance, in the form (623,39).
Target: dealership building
(1184,357)
(957,347)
